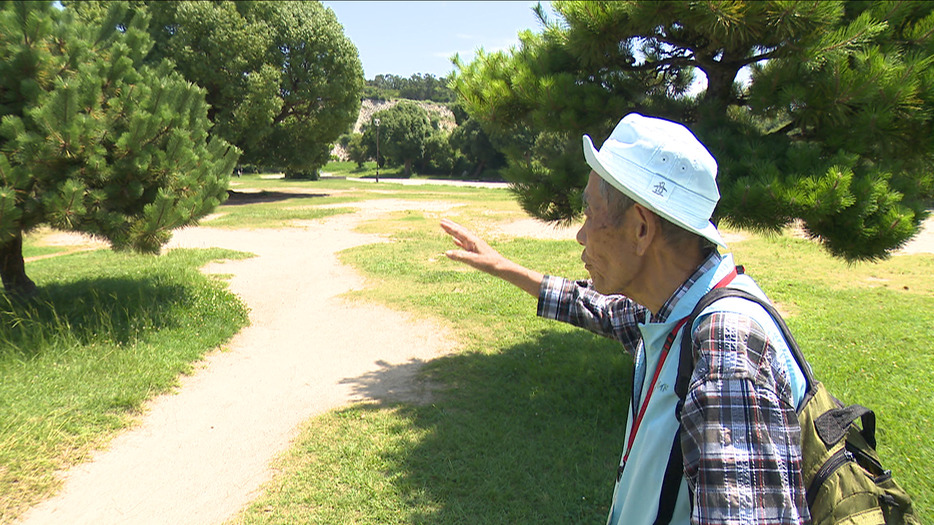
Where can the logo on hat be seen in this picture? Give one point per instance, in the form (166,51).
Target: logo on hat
(660,189)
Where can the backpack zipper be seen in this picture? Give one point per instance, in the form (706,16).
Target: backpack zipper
(840,458)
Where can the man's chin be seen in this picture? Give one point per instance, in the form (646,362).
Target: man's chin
(597,284)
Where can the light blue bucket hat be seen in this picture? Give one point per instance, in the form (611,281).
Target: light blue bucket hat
(661,165)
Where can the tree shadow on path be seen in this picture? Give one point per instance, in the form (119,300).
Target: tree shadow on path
(393,383)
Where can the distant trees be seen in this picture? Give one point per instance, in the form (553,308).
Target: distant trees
(833,126)
(479,152)
(439,156)
(404,130)
(416,87)
(356,148)
(95,138)
(462,152)
(283,81)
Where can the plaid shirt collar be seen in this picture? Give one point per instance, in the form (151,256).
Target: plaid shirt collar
(709,264)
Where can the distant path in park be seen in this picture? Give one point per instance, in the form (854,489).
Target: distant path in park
(201,454)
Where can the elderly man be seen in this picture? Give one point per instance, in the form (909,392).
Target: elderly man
(651,252)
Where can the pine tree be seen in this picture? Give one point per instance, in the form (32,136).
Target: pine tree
(833,127)
(92,140)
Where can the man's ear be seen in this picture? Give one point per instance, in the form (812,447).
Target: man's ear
(645,226)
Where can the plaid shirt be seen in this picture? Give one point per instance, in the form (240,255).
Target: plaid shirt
(740,435)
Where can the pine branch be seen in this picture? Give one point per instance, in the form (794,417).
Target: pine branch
(774,53)
(155,138)
(668,39)
(658,64)
(846,42)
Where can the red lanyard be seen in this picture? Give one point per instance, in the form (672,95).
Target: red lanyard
(661,363)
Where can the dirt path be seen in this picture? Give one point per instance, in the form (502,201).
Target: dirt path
(201,454)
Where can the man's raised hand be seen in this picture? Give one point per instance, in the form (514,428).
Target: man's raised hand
(478,254)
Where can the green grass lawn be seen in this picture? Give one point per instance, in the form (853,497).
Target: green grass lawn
(106,332)
(525,422)
(350,169)
(39,251)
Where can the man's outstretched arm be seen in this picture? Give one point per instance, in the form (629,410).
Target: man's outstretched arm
(478,254)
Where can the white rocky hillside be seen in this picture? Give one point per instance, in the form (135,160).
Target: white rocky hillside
(370,106)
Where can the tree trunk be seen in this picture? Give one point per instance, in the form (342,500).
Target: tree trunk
(720,79)
(476,172)
(13,268)
(408,167)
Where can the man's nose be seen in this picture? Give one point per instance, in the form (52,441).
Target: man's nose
(581,236)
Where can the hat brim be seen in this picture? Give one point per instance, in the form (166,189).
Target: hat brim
(592,156)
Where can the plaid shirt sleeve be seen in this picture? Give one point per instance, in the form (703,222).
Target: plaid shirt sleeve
(577,303)
(741,437)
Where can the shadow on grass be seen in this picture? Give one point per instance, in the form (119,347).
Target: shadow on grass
(530,434)
(237,198)
(112,310)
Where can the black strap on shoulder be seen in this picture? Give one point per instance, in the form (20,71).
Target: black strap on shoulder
(674,472)
(671,483)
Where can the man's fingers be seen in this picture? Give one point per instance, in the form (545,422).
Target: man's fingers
(461,256)
(456,255)
(460,235)
(451,227)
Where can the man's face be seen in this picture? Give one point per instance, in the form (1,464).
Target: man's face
(608,254)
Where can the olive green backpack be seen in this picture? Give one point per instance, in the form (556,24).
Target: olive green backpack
(843,476)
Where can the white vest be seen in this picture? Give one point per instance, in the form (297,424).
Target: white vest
(635,497)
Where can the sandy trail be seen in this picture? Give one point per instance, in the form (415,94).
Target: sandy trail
(199,455)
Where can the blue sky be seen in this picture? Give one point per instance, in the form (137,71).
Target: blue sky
(404,38)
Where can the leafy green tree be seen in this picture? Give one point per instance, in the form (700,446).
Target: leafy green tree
(94,140)
(356,149)
(404,133)
(833,126)
(439,157)
(283,81)
(470,139)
